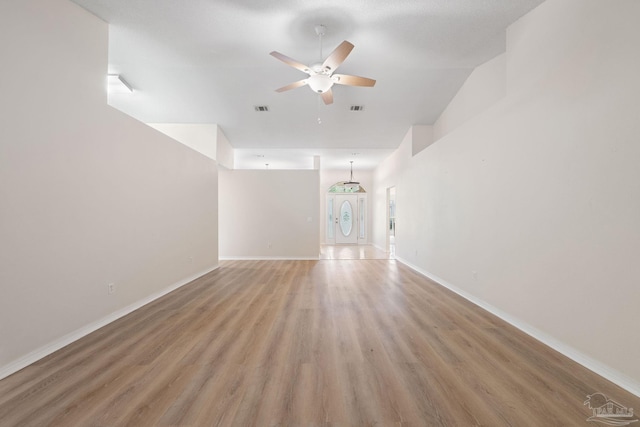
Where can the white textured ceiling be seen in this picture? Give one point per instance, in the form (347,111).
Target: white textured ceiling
(207,61)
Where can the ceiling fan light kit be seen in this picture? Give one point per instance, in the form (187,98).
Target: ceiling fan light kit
(320,83)
(321,78)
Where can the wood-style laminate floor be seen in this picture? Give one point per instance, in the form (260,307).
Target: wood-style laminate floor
(305,343)
(355,252)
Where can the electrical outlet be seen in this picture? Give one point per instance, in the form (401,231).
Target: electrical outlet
(475,274)
(269,245)
(191,259)
(111,288)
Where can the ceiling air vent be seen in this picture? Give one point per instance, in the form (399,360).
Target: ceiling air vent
(357,108)
(261,108)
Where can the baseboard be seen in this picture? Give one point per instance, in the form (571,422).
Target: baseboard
(599,368)
(267,258)
(69,338)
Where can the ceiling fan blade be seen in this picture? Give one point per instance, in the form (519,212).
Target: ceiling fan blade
(327,97)
(345,79)
(292,85)
(338,56)
(291,62)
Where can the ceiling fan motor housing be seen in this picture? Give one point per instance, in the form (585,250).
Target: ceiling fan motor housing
(318,68)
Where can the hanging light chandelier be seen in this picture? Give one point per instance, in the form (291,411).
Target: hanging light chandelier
(351,184)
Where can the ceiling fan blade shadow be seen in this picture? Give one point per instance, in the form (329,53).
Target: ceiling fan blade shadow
(294,85)
(291,62)
(327,97)
(345,79)
(338,56)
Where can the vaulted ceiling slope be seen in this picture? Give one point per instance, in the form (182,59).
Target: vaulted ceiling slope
(207,61)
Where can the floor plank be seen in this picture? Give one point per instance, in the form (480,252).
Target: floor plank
(329,342)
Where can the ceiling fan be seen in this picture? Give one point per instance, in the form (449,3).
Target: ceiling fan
(321,75)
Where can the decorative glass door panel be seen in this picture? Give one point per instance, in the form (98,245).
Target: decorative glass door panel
(346,220)
(330,222)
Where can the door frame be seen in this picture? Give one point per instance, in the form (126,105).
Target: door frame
(359,210)
(388,224)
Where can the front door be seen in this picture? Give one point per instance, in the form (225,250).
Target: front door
(346,219)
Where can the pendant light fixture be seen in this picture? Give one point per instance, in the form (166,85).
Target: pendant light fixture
(351,184)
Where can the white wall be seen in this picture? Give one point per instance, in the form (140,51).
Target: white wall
(385,176)
(88,196)
(224,150)
(207,139)
(269,214)
(531,207)
(485,86)
(202,137)
(421,138)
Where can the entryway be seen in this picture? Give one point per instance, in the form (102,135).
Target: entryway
(346,218)
(346,225)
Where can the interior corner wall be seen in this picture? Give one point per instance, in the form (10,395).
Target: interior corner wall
(269,214)
(224,150)
(206,138)
(201,137)
(89,196)
(385,176)
(530,208)
(485,86)
(421,138)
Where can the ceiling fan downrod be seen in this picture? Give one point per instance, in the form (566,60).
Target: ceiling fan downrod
(321,30)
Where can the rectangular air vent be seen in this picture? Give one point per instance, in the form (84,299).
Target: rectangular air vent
(357,107)
(261,108)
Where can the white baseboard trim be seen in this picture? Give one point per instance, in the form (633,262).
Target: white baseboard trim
(67,339)
(599,368)
(268,258)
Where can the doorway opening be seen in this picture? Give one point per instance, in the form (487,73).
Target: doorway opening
(391,220)
(346,215)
